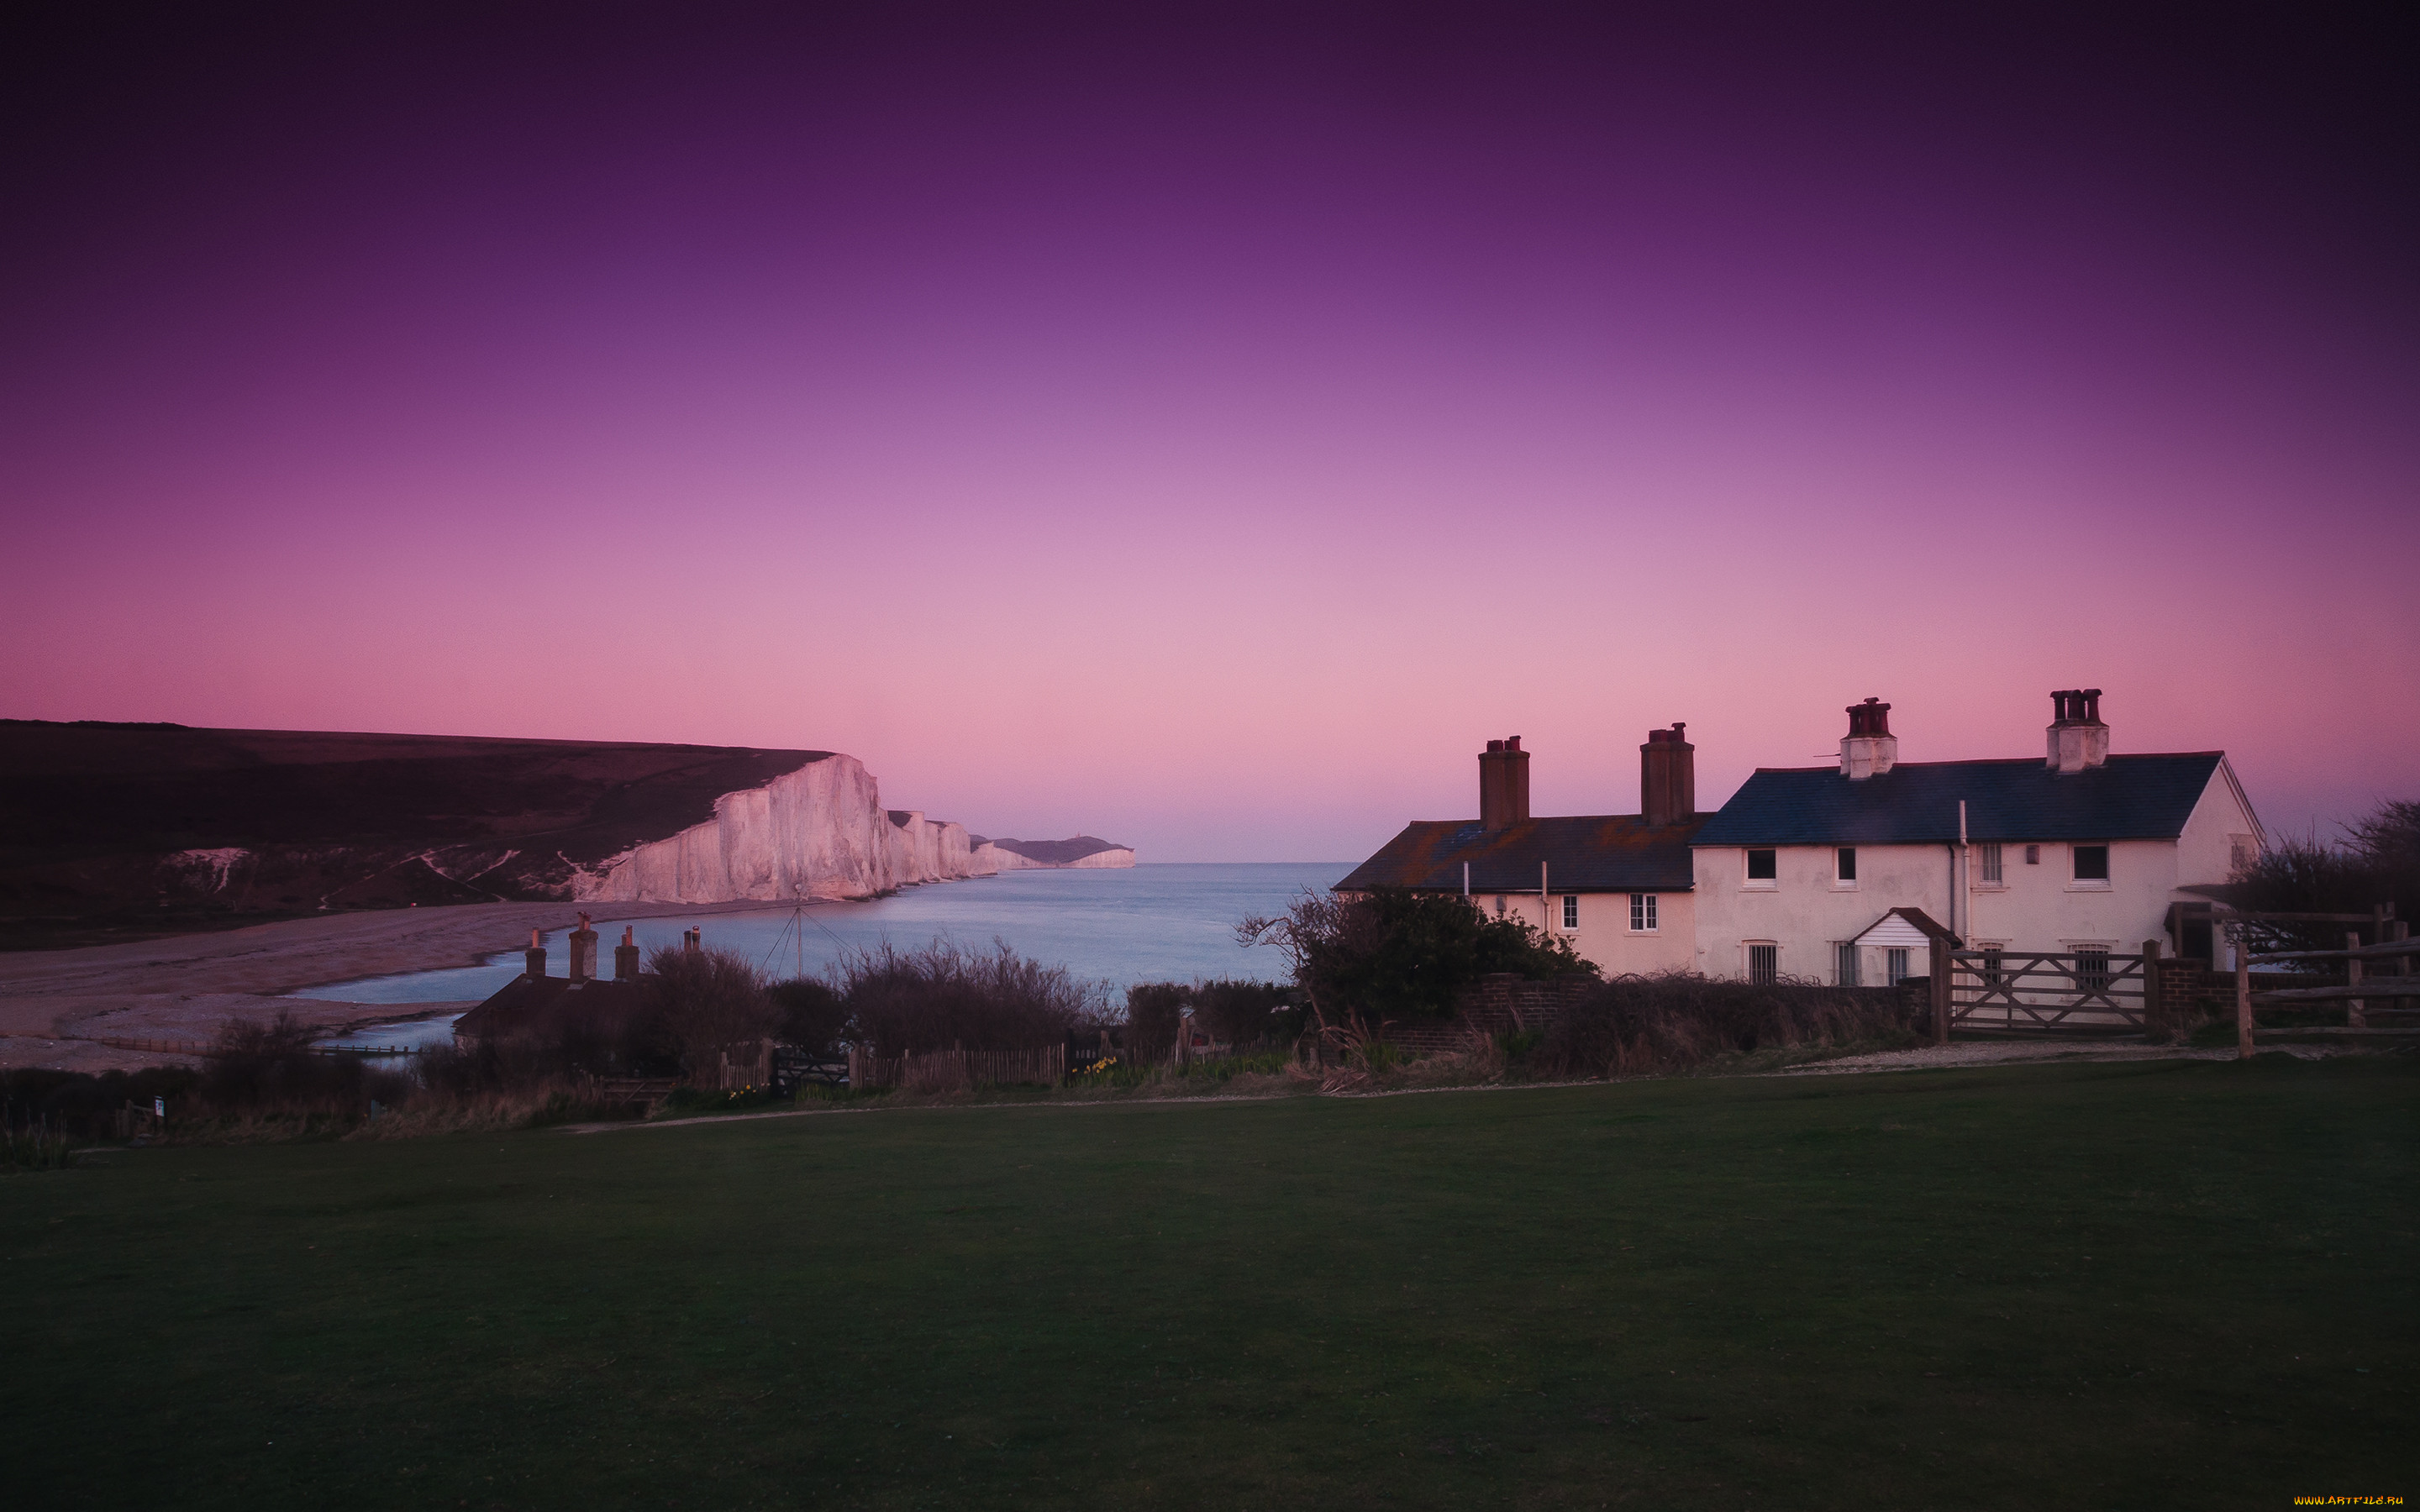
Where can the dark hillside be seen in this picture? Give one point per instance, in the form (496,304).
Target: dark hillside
(100,824)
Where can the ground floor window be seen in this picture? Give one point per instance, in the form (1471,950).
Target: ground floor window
(1643,912)
(1848,968)
(1571,911)
(1993,973)
(2092,968)
(1895,963)
(1763,962)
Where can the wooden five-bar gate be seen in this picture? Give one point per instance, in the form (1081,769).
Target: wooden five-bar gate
(2031,990)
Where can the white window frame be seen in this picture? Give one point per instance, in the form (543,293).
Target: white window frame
(1840,882)
(1847,968)
(2109,853)
(1894,965)
(1771,884)
(1571,924)
(1747,958)
(1643,912)
(1994,858)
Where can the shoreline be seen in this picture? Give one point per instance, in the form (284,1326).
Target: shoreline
(56,1005)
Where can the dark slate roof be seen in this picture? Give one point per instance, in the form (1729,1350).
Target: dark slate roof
(1591,852)
(542,1008)
(2132,797)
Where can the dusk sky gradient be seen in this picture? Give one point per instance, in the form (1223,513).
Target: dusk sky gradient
(1206,428)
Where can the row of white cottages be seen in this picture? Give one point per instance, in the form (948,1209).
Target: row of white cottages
(1803,873)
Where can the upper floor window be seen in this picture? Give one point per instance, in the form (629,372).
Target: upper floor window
(1643,912)
(2033,855)
(1990,855)
(1571,911)
(2242,851)
(2091,863)
(1763,866)
(1846,863)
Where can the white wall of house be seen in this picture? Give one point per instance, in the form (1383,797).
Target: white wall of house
(1604,936)
(1806,911)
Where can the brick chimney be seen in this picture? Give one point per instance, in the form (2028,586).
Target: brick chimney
(625,956)
(1868,749)
(2078,739)
(1503,783)
(692,941)
(584,952)
(1668,779)
(534,959)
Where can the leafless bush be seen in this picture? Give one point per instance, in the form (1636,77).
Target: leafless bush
(706,1000)
(1153,1011)
(1676,1020)
(945,997)
(256,1068)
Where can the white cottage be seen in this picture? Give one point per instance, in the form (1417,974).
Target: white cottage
(1810,871)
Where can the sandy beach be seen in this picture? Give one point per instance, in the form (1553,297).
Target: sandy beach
(56,1005)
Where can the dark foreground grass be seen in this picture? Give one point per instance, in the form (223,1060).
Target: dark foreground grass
(2139,1285)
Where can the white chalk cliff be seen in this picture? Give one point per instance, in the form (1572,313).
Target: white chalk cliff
(818,832)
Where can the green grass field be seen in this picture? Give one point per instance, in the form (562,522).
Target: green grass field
(2144,1286)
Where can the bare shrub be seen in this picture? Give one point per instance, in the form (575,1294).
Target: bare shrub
(1153,1011)
(1676,1020)
(706,1001)
(948,997)
(813,1015)
(270,1068)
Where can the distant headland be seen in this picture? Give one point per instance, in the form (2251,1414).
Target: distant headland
(1030,854)
(150,829)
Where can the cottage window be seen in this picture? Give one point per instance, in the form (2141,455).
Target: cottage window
(1848,863)
(1643,912)
(1992,874)
(1848,966)
(2091,863)
(1571,911)
(1993,973)
(1761,866)
(2092,968)
(1895,966)
(1763,962)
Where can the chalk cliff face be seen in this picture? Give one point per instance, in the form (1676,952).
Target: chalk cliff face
(817,832)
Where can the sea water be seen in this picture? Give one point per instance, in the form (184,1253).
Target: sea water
(1114,926)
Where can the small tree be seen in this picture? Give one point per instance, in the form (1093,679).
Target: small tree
(812,1014)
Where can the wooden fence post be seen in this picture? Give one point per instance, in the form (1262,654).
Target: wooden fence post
(2243,997)
(2400,930)
(2356,1011)
(1940,985)
(2155,1005)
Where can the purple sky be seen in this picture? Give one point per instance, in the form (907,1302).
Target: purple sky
(1208,434)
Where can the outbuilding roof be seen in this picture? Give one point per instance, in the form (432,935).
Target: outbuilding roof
(1587,852)
(546,1008)
(2129,797)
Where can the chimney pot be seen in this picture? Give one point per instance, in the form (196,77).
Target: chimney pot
(583,951)
(1504,784)
(1868,749)
(2078,741)
(1668,779)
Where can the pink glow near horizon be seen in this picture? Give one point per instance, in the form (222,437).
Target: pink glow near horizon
(1211,452)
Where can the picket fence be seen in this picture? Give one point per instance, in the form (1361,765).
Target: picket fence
(942,1070)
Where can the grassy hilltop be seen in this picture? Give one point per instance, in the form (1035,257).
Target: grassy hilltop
(2145,1285)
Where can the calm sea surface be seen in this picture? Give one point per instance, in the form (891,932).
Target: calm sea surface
(1145,923)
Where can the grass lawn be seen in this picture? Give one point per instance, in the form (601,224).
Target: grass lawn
(2185,1284)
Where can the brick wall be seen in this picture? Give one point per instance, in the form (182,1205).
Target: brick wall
(1494,1005)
